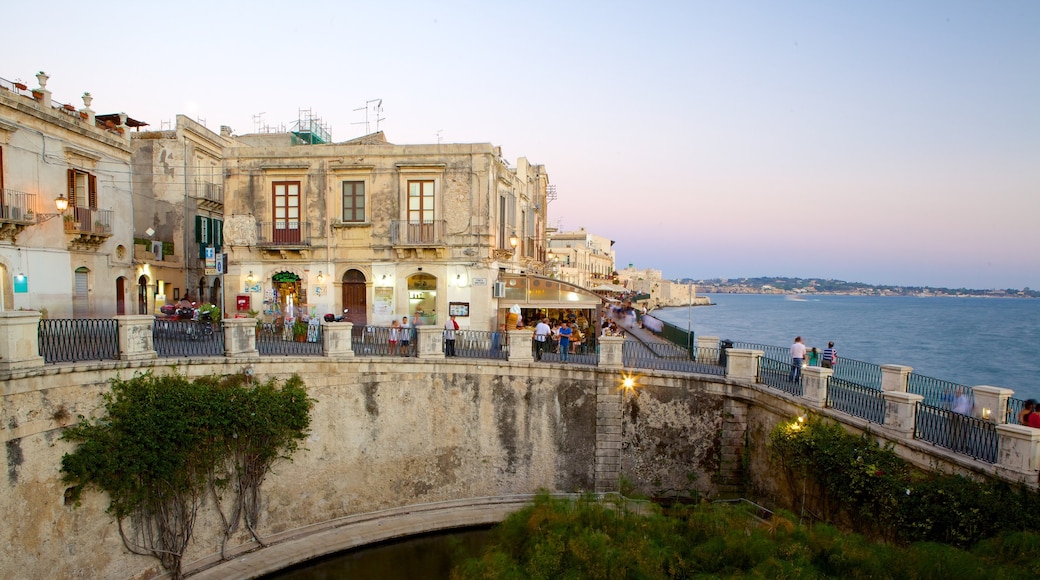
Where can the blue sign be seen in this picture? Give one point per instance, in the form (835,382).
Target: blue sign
(210,253)
(21,284)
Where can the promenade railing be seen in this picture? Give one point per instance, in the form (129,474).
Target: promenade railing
(936,392)
(959,433)
(482,344)
(187,338)
(671,357)
(78,339)
(282,340)
(777,374)
(856,400)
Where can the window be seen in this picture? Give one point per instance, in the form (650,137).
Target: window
(420,211)
(286,211)
(353,201)
(82,189)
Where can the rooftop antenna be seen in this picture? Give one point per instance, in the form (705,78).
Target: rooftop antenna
(439,134)
(376,106)
(258,121)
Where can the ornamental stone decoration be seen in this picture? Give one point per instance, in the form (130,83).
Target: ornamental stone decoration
(240,230)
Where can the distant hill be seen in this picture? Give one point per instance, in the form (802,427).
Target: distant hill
(783,285)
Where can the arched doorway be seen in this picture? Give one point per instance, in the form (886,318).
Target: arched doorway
(200,296)
(214,292)
(120,296)
(355,296)
(80,297)
(422,298)
(142,295)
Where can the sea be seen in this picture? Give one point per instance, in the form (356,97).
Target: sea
(969,341)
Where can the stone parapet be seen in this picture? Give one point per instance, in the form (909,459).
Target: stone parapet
(707,349)
(520,346)
(240,338)
(901,412)
(431,342)
(135,337)
(610,352)
(19,341)
(1018,457)
(894,377)
(991,403)
(742,363)
(336,339)
(814,386)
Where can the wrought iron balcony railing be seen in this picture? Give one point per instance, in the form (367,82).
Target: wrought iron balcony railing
(417,233)
(283,233)
(210,191)
(17,207)
(86,220)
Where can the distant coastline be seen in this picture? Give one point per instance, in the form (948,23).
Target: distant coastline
(820,286)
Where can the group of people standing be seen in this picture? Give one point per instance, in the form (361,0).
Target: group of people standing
(801,356)
(562,336)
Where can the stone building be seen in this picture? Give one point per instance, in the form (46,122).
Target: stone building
(663,292)
(581,258)
(382,230)
(65,205)
(178,180)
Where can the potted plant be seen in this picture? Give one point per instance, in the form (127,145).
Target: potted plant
(299,331)
(20,86)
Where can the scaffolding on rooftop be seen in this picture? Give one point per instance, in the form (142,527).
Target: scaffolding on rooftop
(310,130)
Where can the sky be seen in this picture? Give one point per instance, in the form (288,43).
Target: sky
(884,142)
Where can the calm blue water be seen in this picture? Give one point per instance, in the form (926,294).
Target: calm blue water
(971,341)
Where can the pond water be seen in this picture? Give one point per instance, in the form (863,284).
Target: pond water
(426,557)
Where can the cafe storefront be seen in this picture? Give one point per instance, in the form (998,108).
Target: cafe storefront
(537,297)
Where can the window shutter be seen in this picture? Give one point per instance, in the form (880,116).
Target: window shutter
(200,230)
(218,233)
(72,188)
(92,184)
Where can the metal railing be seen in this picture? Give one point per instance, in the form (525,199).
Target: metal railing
(414,232)
(187,338)
(370,340)
(78,339)
(1014,407)
(283,233)
(585,353)
(207,190)
(288,340)
(482,344)
(856,400)
(18,206)
(670,357)
(776,353)
(976,438)
(936,392)
(88,220)
(776,374)
(859,372)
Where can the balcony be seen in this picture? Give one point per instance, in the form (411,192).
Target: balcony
(283,234)
(210,195)
(418,236)
(89,227)
(16,212)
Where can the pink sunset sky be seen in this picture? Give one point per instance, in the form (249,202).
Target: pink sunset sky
(882,142)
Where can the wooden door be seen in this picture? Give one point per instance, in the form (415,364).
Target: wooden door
(355,297)
(286,204)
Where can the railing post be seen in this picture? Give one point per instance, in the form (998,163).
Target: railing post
(901,412)
(135,337)
(520,346)
(431,339)
(240,338)
(336,339)
(742,363)
(20,341)
(611,350)
(814,385)
(991,403)
(1018,457)
(704,345)
(894,378)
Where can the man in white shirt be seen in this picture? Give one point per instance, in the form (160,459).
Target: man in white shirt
(541,335)
(797,356)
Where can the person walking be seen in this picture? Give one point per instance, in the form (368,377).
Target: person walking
(565,340)
(830,356)
(449,336)
(541,334)
(797,358)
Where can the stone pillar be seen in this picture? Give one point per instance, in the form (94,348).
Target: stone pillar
(19,341)
(1018,457)
(608,436)
(520,346)
(431,342)
(610,352)
(240,338)
(991,403)
(893,377)
(707,349)
(814,385)
(135,337)
(336,341)
(42,94)
(731,455)
(742,363)
(901,412)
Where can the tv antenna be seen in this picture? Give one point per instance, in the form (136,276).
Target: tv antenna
(374,106)
(440,134)
(258,121)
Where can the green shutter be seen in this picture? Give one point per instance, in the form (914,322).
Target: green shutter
(198,229)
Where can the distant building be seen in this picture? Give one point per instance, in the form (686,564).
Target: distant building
(581,258)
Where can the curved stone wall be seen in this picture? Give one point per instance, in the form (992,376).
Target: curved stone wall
(396,440)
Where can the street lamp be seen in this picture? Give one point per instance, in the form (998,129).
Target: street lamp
(514,241)
(61,203)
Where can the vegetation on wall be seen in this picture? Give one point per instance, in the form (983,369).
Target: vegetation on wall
(557,538)
(852,481)
(164,444)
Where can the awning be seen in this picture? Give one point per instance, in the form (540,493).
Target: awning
(609,288)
